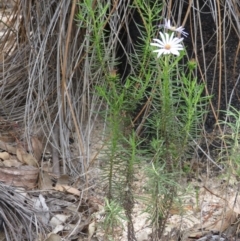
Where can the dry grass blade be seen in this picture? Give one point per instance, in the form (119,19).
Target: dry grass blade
(20,220)
(37,63)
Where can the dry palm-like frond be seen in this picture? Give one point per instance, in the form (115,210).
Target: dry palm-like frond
(44,75)
(20,218)
(49,68)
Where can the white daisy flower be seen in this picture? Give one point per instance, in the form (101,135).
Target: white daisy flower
(180,29)
(168,44)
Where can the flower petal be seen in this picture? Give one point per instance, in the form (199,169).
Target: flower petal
(180,29)
(156,45)
(177,40)
(167,44)
(158,41)
(171,38)
(175,52)
(163,37)
(160,52)
(167,24)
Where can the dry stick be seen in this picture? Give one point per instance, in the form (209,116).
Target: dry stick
(98,152)
(76,125)
(215,194)
(187,13)
(235,63)
(65,57)
(208,157)
(55,156)
(220,70)
(169,7)
(64,85)
(200,71)
(206,89)
(220,57)
(143,119)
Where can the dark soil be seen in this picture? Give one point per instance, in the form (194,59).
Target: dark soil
(222,78)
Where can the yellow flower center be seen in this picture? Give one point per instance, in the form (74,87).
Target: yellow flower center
(167,46)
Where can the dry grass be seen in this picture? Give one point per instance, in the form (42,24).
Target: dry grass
(21,221)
